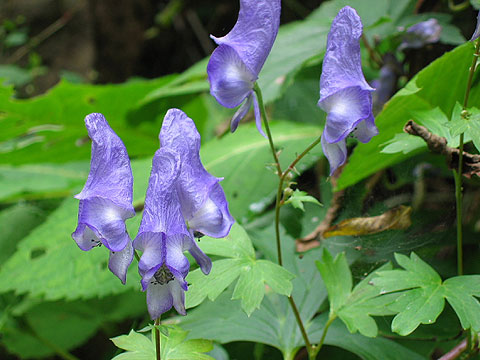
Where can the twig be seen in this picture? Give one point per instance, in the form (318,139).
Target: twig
(199,31)
(45,33)
(438,145)
(371,52)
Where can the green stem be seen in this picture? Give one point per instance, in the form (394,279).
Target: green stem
(311,349)
(458,174)
(257,90)
(157,339)
(136,255)
(325,329)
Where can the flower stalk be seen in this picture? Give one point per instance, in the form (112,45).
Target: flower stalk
(311,349)
(458,174)
(157,339)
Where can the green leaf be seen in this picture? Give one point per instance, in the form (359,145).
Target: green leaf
(50,127)
(337,278)
(41,178)
(16,222)
(423,295)
(252,274)
(469,124)
(353,307)
(274,323)
(299,197)
(49,264)
(366,158)
(173,347)
(33,336)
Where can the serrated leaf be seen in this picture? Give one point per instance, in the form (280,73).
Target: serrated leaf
(423,295)
(57,268)
(468,125)
(354,307)
(173,347)
(299,197)
(274,323)
(253,275)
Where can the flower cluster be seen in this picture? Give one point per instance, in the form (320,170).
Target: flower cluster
(183,200)
(235,64)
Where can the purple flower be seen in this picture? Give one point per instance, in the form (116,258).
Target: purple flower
(163,237)
(202,200)
(235,64)
(423,33)
(476,33)
(106,199)
(344,93)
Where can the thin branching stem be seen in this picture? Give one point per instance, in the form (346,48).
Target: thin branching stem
(325,329)
(458,174)
(311,349)
(157,339)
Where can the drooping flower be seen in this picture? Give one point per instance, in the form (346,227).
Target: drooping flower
(344,93)
(163,237)
(202,199)
(106,199)
(235,64)
(476,33)
(421,34)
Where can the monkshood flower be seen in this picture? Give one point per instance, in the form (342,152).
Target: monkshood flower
(202,199)
(421,34)
(476,33)
(344,93)
(235,64)
(106,199)
(163,237)
(386,83)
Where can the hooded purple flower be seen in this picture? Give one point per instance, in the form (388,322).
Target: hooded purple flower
(202,199)
(235,64)
(476,33)
(423,33)
(106,199)
(344,93)
(163,237)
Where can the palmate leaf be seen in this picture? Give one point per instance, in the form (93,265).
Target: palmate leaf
(468,125)
(354,307)
(299,197)
(173,346)
(274,323)
(253,275)
(423,295)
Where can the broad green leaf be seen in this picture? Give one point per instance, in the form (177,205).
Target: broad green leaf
(355,306)
(48,262)
(48,326)
(253,275)
(299,197)
(423,295)
(52,179)
(173,347)
(16,222)
(366,158)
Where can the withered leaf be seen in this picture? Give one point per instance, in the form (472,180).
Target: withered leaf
(396,218)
